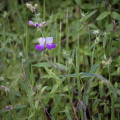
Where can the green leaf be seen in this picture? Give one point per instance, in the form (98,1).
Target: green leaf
(95,104)
(91,14)
(73,54)
(94,68)
(31,115)
(20,106)
(103,15)
(118,60)
(17,93)
(36,104)
(78,2)
(116,15)
(55,87)
(69,75)
(67,108)
(86,74)
(44,64)
(61,66)
(118,71)
(42,90)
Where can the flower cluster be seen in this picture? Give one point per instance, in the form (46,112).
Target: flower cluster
(10,107)
(35,24)
(31,7)
(48,42)
(95,32)
(43,42)
(6,89)
(106,62)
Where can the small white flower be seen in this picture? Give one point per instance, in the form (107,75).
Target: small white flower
(28,5)
(21,54)
(2,78)
(5,14)
(70,61)
(95,32)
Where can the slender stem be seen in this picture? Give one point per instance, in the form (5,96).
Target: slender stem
(77,67)
(26,40)
(93,55)
(59,43)
(36,16)
(109,72)
(44,11)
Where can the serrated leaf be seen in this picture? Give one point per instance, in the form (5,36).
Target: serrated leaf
(103,15)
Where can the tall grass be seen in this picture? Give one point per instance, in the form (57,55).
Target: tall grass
(79,79)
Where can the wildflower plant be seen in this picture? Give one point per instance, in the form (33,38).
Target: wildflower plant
(48,41)
(59,65)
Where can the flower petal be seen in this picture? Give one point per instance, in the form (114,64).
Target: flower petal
(49,46)
(41,47)
(37,46)
(36,25)
(41,41)
(49,40)
(53,45)
(30,23)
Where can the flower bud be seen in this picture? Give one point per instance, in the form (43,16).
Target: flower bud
(36,5)
(7,107)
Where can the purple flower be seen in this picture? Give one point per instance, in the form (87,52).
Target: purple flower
(35,24)
(7,107)
(31,23)
(49,43)
(10,107)
(41,44)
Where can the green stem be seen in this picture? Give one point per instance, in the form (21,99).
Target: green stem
(26,40)
(93,55)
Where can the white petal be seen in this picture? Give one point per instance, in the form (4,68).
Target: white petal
(49,40)
(41,41)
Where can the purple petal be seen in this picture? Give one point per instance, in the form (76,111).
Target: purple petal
(30,23)
(37,46)
(41,47)
(53,45)
(36,25)
(49,46)
(44,23)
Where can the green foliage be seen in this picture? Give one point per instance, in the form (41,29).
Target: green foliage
(79,79)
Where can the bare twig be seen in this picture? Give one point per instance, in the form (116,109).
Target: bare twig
(74,110)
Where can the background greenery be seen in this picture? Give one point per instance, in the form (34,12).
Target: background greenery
(79,79)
